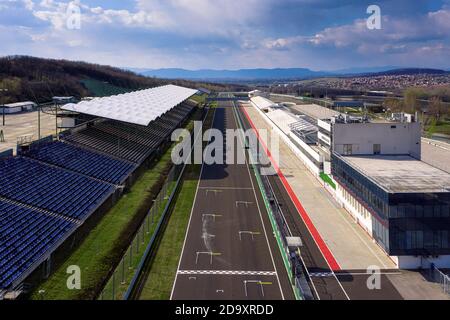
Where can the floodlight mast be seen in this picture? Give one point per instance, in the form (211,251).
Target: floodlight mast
(3,106)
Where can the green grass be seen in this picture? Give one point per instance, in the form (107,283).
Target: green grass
(199,99)
(126,270)
(326,178)
(93,255)
(164,266)
(442,126)
(102,89)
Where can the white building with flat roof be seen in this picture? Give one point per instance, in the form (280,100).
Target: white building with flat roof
(17,107)
(401,201)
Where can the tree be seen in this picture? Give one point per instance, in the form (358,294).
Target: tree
(410,99)
(436,108)
(393,104)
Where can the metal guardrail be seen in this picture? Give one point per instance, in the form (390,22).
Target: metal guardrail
(441,278)
(292,259)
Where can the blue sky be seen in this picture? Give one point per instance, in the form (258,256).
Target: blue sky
(230,34)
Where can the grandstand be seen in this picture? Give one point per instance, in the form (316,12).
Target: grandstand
(128,141)
(83,161)
(26,234)
(51,188)
(45,187)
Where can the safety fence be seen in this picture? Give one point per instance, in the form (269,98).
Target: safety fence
(292,259)
(125,271)
(125,277)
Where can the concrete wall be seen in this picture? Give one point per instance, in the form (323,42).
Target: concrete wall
(394,138)
(415,262)
(324,125)
(309,164)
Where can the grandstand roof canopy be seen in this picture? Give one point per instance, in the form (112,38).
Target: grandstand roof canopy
(139,107)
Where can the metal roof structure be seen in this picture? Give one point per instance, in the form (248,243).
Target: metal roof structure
(303,126)
(138,107)
(263,103)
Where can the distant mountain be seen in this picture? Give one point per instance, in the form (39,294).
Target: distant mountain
(361,70)
(240,75)
(277,74)
(410,71)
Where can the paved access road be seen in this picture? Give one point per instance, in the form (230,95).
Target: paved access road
(229,250)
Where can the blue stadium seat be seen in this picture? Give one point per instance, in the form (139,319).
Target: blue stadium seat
(51,188)
(25,236)
(83,161)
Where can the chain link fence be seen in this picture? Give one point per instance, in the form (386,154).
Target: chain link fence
(122,276)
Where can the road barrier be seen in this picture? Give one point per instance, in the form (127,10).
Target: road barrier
(292,259)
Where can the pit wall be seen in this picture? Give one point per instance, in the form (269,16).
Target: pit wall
(308,163)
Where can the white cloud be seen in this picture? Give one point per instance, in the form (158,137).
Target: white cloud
(218,33)
(391,38)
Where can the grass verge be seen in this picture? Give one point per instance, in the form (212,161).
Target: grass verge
(164,266)
(326,178)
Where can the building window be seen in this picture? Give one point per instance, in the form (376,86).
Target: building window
(377,149)
(348,149)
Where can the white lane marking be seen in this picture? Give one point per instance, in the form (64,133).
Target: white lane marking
(259,209)
(338,274)
(227,272)
(190,218)
(224,188)
(245,203)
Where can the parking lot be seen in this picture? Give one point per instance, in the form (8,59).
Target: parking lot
(25,124)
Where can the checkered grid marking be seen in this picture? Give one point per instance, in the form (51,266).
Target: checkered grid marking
(227,272)
(321,274)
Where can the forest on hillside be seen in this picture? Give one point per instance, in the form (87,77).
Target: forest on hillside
(37,79)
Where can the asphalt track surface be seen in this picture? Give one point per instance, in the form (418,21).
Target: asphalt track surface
(229,252)
(327,284)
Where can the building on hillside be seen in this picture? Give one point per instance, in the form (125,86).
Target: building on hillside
(64,100)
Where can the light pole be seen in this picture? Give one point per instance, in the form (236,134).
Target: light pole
(3,107)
